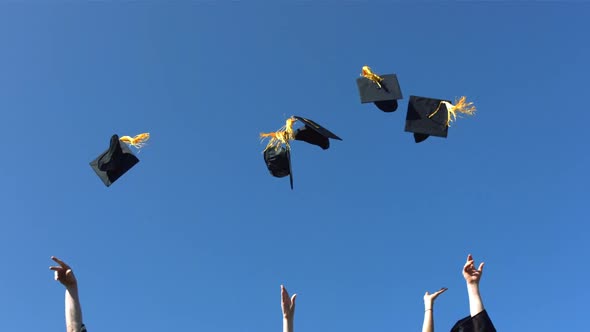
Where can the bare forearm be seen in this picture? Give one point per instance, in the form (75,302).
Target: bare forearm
(73,310)
(428,325)
(475,302)
(287,325)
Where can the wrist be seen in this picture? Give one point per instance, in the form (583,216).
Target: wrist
(473,290)
(288,323)
(72,290)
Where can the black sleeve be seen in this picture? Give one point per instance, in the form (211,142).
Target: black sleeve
(478,323)
(83,329)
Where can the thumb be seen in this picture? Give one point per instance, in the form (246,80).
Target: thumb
(293,299)
(480,269)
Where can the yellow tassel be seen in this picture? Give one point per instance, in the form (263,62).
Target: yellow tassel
(367,73)
(138,141)
(282,136)
(461,106)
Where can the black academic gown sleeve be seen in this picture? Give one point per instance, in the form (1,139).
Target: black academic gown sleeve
(478,323)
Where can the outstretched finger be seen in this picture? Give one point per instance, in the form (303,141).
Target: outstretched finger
(60,262)
(480,268)
(468,265)
(284,294)
(56,268)
(442,290)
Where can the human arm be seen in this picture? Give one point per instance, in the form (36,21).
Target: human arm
(428,325)
(73,309)
(472,277)
(288,306)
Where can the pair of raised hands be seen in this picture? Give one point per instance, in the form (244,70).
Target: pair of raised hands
(470,273)
(65,275)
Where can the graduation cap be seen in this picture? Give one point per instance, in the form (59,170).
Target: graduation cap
(118,159)
(384,91)
(478,323)
(278,162)
(277,154)
(313,133)
(432,117)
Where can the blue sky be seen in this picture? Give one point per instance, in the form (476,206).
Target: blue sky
(198,236)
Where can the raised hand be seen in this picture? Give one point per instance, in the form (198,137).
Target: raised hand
(64,273)
(470,273)
(287,304)
(429,298)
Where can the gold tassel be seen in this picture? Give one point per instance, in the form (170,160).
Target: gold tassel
(138,141)
(461,106)
(367,73)
(282,136)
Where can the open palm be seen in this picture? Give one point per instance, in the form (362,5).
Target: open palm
(429,298)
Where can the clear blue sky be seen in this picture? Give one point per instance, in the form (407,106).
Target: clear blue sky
(199,237)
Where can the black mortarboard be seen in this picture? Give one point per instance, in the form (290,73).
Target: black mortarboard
(313,133)
(478,323)
(384,97)
(419,122)
(114,162)
(278,162)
